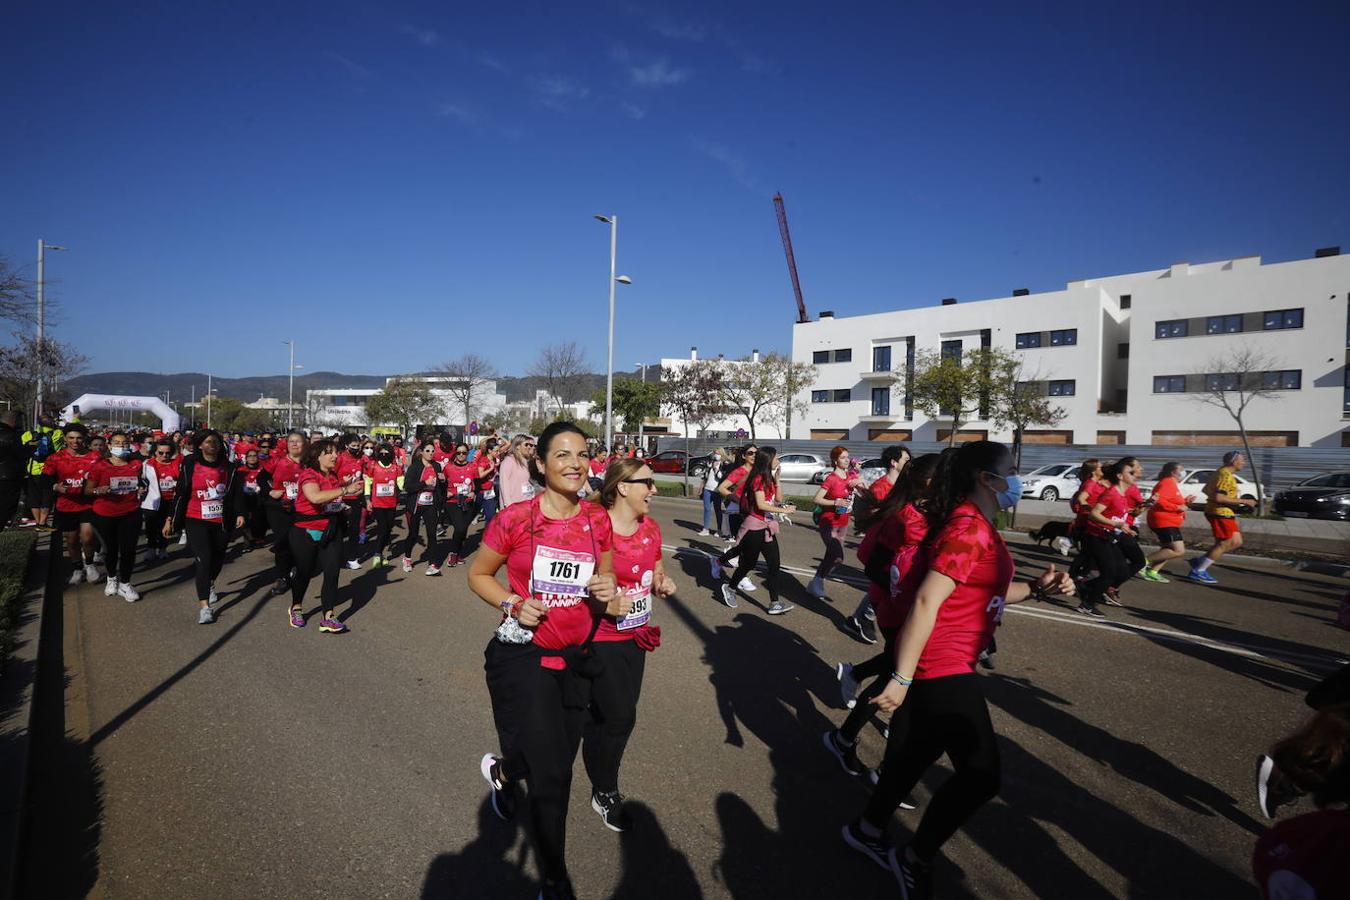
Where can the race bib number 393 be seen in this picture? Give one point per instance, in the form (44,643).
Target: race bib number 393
(558,577)
(641,613)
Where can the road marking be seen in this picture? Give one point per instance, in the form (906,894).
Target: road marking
(1326,661)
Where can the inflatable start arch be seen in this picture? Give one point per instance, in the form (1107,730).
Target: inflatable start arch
(169,420)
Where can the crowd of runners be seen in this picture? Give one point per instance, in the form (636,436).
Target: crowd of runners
(570,560)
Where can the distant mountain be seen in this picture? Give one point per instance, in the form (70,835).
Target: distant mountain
(182,385)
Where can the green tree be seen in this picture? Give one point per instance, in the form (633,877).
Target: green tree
(695,391)
(952,387)
(634,401)
(1017,397)
(403,403)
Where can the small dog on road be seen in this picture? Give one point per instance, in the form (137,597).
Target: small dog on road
(1057,533)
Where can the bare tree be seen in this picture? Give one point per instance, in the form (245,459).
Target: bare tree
(1017,398)
(562,368)
(1230,382)
(16,295)
(21,361)
(749,387)
(469,376)
(695,391)
(790,380)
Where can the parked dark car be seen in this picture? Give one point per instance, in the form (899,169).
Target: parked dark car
(1320,497)
(672,461)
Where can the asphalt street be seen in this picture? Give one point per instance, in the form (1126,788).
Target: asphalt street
(250,759)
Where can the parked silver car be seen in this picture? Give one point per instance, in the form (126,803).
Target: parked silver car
(801,466)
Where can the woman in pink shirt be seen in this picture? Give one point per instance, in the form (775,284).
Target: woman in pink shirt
(515,472)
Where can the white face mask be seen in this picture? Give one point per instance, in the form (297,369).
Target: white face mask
(120,452)
(369,451)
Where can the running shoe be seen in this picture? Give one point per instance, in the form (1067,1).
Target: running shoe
(728,596)
(986,659)
(557,890)
(864,628)
(92,574)
(98,557)
(1273,789)
(915,878)
(432,570)
(874,848)
(609,804)
(127,592)
(778,607)
(297,618)
(76,576)
(716,568)
(453,561)
(110,587)
(213,599)
(353,564)
(182,539)
(847,754)
(746,584)
(1091,612)
(503,802)
(704,533)
(816,588)
(407,564)
(848,685)
(205,616)
(1150,574)
(376,562)
(1194,574)
(331,626)
(280,587)
(1112,597)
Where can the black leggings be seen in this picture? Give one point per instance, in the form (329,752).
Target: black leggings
(351,548)
(119,535)
(279,520)
(206,540)
(313,558)
(461,516)
(1105,553)
(427,516)
(538,736)
(154,526)
(1132,558)
(256,515)
(749,550)
(878,668)
(939,715)
(614,700)
(384,523)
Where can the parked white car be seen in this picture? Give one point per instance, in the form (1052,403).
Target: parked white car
(801,466)
(1192,486)
(1057,481)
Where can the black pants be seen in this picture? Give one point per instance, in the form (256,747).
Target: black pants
(119,535)
(154,526)
(426,515)
(939,715)
(538,736)
(614,700)
(279,520)
(752,546)
(461,516)
(879,669)
(256,516)
(314,558)
(11,489)
(206,540)
(384,524)
(1132,559)
(1105,554)
(734,520)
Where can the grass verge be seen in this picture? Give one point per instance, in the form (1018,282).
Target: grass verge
(16,554)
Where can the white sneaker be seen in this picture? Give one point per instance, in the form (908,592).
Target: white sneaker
(182,539)
(432,570)
(848,685)
(110,589)
(716,568)
(92,574)
(407,564)
(205,617)
(127,592)
(353,564)
(746,584)
(98,557)
(76,576)
(704,533)
(816,588)
(213,599)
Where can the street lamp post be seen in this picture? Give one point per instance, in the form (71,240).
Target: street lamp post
(209,404)
(290,391)
(641,419)
(613,222)
(42,319)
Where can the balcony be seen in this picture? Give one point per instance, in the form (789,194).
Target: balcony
(883,375)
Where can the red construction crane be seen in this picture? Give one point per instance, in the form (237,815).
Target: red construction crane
(791,260)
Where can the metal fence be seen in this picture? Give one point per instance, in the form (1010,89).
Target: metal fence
(1277,467)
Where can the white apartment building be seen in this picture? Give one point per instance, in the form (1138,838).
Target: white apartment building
(1124,356)
(346,407)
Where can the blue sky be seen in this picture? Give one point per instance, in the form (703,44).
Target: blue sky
(395,184)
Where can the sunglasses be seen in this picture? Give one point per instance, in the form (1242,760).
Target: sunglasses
(649,482)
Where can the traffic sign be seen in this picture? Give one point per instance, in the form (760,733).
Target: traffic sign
(741,433)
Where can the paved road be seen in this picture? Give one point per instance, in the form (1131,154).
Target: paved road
(248,759)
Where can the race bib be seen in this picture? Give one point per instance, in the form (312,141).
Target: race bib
(425,498)
(559,577)
(384,489)
(641,612)
(292,489)
(527,491)
(334,506)
(489,494)
(123,484)
(167,484)
(251,487)
(74,482)
(464,488)
(213,510)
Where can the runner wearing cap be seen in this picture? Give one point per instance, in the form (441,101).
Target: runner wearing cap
(1221,503)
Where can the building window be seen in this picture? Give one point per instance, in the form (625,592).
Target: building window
(1065,337)
(1123,351)
(881,359)
(1346,398)
(843,396)
(1063,388)
(1282,318)
(820,356)
(881,401)
(1222,381)
(951,350)
(1172,328)
(1169,384)
(1223,324)
(843,355)
(820,396)
(1126,301)
(1284,380)
(1028,339)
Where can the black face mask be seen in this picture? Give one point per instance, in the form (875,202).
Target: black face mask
(385,457)
(354,451)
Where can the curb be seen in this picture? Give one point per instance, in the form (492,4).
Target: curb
(17,689)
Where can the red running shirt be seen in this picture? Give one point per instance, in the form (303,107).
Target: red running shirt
(167,473)
(485,468)
(286,477)
(1304,858)
(635,558)
(556,557)
(384,486)
(836,489)
(459,482)
(209,484)
(880,489)
(901,536)
(748,496)
(307,515)
(124,481)
(352,465)
(1115,505)
(68,469)
(248,480)
(970,552)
